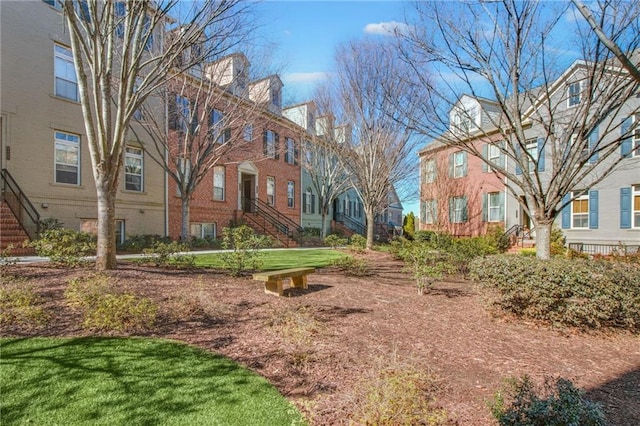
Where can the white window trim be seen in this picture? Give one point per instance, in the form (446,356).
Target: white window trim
(570,96)
(271,190)
(271,144)
(65,57)
(216,173)
(200,227)
(137,156)
(532,158)
(492,208)
(291,194)
(635,138)
(291,150)
(458,169)
(635,192)
(429,171)
(584,196)
(494,155)
(67,143)
(247,133)
(429,212)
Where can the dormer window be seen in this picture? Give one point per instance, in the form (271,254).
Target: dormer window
(574,95)
(464,121)
(276,97)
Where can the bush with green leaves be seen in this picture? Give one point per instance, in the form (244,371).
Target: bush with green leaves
(206,243)
(105,308)
(137,243)
(335,241)
(65,246)
(6,260)
(20,304)
(353,266)
(173,254)
(357,242)
(49,223)
(566,292)
(557,402)
(242,245)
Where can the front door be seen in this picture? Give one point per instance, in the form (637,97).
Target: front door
(525,220)
(247,193)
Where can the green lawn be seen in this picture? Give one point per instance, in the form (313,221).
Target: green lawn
(280,259)
(134,381)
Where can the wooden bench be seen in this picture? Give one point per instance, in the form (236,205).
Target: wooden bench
(273,280)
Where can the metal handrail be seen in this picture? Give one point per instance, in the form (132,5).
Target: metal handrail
(279,222)
(274,213)
(19,204)
(357,227)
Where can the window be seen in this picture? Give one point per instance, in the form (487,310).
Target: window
(276,97)
(66,82)
(137,114)
(492,153)
(580,210)
(119,232)
(217,132)
(494,207)
(532,158)
(429,171)
(203,230)
(54,3)
(636,137)
(308,202)
(459,164)
(133,168)
(291,194)
(429,211)
(271,190)
(218,183)
(290,154)
(458,209)
(184,172)
(67,158)
(270,147)
(574,94)
(179,113)
(247,132)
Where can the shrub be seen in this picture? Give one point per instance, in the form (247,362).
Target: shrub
(170,254)
(49,223)
(558,402)
(335,241)
(137,243)
(65,246)
(352,266)
(6,260)
(558,241)
(243,245)
(207,242)
(397,395)
(580,293)
(104,308)
(358,243)
(20,304)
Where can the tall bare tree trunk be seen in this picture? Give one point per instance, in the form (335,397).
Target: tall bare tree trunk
(543,238)
(186,218)
(370,226)
(106,249)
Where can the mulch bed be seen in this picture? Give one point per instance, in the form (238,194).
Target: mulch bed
(361,323)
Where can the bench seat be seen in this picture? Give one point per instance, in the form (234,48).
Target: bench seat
(273,279)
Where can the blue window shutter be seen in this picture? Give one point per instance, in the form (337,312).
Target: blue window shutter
(625,208)
(501,201)
(516,151)
(593,142)
(541,154)
(625,147)
(566,213)
(485,157)
(593,209)
(464,164)
(451,165)
(485,207)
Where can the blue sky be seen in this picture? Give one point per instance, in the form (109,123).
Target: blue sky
(306,33)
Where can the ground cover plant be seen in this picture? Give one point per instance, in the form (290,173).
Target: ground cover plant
(110,381)
(322,347)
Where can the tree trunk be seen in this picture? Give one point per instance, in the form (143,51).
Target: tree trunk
(370,225)
(186,217)
(106,248)
(543,239)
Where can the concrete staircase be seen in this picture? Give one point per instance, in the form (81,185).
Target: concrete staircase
(12,234)
(264,227)
(520,244)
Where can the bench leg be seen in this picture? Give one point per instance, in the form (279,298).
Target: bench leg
(300,282)
(273,287)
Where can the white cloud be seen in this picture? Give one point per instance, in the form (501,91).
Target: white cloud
(386,28)
(304,77)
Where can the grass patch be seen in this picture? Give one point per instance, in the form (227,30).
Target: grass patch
(111,381)
(279,259)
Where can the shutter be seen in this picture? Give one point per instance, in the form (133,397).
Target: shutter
(625,208)
(304,202)
(227,135)
(277,146)
(313,203)
(566,212)
(264,142)
(485,207)
(516,152)
(541,154)
(464,209)
(451,165)
(173,112)
(434,210)
(296,154)
(501,159)
(451,210)
(593,209)
(625,147)
(485,157)
(193,125)
(464,164)
(501,204)
(593,143)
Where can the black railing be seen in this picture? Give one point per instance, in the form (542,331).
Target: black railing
(268,219)
(22,209)
(351,224)
(605,249)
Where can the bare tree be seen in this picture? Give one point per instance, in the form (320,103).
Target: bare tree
(379,154)
(122,53)
(614,25)
(501,50)
(320,160)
